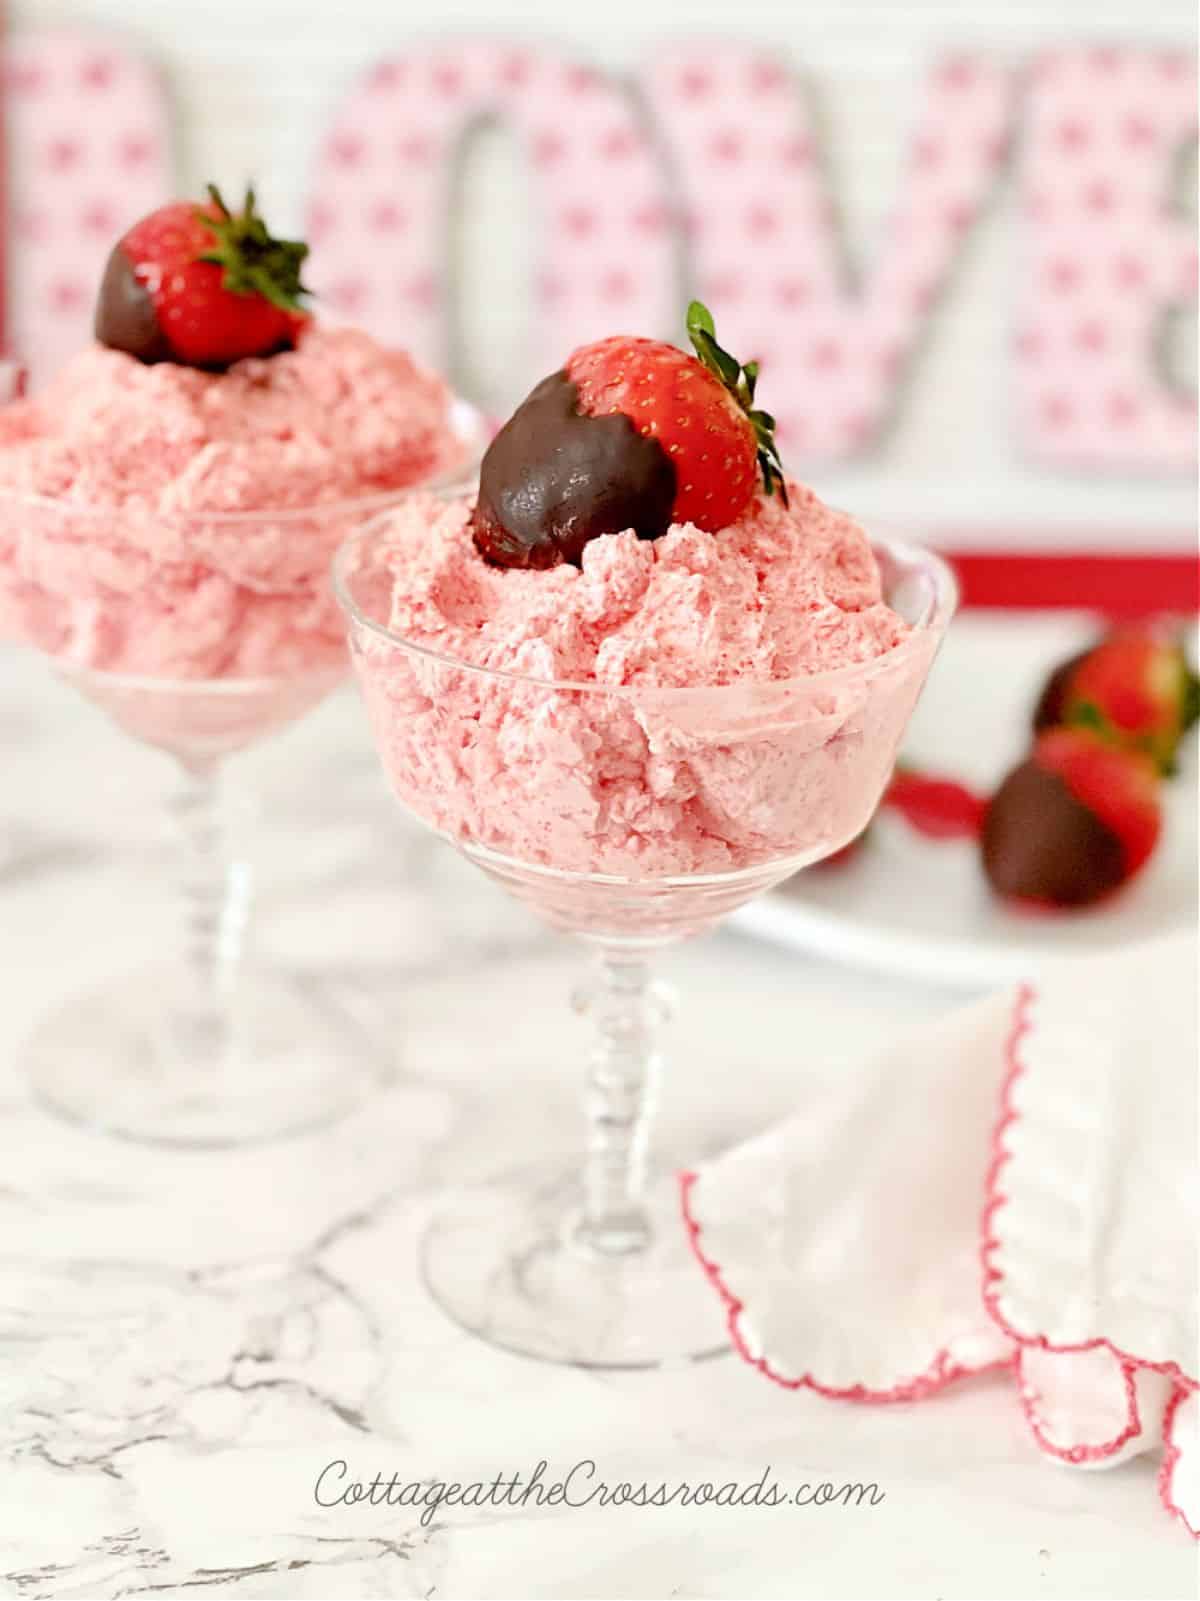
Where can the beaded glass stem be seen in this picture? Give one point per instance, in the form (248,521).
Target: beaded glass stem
(201,1047)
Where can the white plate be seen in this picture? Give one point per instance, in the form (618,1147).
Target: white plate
(920,908)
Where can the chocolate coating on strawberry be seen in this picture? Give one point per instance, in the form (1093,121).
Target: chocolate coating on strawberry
(1041,844)
(1077,819)
(632,434)
(554,479)
(126,318)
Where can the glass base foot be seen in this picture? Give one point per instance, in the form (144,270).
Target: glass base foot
(119,1060)
(503,1261)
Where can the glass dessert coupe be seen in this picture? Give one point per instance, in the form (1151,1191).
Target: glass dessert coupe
(586,1262)
(203,1049)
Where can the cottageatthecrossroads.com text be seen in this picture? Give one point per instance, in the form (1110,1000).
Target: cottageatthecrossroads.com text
(581,1486)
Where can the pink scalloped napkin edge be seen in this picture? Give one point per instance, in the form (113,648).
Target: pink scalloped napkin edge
(848,1248)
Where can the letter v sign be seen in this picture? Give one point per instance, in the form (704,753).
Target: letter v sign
(764,242)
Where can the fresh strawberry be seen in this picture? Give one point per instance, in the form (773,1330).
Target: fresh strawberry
(1073,822)
(1135,687)
(700,409)
(1051,708)
(631,433)
(201,286)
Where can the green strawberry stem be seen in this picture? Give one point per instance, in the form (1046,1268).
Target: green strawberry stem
(1190,710)
(741,382)
(255,262)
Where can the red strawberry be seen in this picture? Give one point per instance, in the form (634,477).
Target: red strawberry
(1135,687)
(630,434)
(1074,821)
(201,286)
(1051,708)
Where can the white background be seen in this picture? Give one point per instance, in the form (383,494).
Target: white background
(255,82)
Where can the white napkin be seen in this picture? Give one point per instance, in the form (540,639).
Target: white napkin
(1016,1186)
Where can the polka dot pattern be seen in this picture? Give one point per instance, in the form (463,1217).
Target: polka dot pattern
(384,180)
(89,153)
(766,251)
(1103,258)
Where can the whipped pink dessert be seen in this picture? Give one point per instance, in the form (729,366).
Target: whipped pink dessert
(164,520)
(786,591)
(638,652)
(706,734)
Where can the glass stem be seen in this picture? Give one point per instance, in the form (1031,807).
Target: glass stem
(627,1008)
(213,895)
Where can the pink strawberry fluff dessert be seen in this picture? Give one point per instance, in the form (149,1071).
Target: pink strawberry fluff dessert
(639,651)
(163,520)
(698,703)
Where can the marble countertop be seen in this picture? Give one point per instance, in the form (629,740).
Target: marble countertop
(188,1338)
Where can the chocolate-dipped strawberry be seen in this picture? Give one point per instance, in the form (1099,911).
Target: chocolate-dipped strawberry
(1136,687)
(1073,822)
(631,433)
(1051,708)
(201,286)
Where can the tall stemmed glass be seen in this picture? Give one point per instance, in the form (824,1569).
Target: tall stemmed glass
(201,1048)
(584,1264)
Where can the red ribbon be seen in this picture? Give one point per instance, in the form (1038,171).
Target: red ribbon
(1121,585)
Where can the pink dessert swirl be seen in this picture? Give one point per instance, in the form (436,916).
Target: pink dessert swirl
(171,522)
(670,709)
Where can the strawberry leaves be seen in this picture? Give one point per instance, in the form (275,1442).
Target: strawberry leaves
(1190,709)
(255,262)
(741,382)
